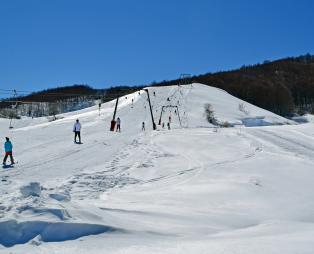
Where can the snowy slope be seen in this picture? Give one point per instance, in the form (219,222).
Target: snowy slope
(187,190)
(190,100)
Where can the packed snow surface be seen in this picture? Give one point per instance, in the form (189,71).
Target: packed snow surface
(192,189)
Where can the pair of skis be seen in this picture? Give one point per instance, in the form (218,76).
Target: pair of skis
(5,166)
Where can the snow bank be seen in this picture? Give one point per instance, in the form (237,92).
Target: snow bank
(13,232)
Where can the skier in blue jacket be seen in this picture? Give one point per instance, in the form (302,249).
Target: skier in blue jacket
(8,147)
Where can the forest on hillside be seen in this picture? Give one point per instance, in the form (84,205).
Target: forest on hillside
(51,102)
(284,86)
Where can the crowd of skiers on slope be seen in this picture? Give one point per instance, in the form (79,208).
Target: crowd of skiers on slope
(8,147)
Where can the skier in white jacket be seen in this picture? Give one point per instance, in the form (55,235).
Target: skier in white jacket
(77,131)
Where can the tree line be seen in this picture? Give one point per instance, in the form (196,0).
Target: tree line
(284,86)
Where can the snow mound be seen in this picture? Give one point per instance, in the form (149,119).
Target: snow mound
(13,232)
(28,210)
(32,189)
(227,108)
(60,197)
(307,118)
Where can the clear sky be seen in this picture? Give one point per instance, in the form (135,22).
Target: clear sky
(48,43)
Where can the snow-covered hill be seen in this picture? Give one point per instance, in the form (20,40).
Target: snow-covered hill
(193,189)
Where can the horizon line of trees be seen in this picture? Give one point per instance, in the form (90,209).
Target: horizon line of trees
(284,86)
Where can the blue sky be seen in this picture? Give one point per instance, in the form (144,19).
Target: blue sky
(48,43)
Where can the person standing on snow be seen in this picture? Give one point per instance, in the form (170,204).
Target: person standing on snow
(118,124)
(77,131)
(168,125)
(8,147)
(143,126)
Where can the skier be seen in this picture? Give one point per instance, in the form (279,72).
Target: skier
(169,119)
(154,93)
(8,151)
(118,124)
(77,131)
(143,126)
(163,125)
(168,124)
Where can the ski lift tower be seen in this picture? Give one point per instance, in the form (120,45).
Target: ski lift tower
(151,111)
(113,122)
(184,79)
(13,107)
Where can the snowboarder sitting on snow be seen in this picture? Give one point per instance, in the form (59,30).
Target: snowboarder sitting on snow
(118,124)
(77,131)
(8,151)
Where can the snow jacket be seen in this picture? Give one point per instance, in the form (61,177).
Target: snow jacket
(118,121)
(8,146)
(77,127)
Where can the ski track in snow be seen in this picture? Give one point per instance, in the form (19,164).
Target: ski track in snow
(300,147)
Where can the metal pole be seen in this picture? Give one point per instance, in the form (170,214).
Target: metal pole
(113,122)
(151,111)
(179,116)
(162,109)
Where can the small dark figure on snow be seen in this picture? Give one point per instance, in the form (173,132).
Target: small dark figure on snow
(118,125)
(143,126)
(8,147)
(163,125)
(168,124)
(77,131)
(169,119)
(154,93)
